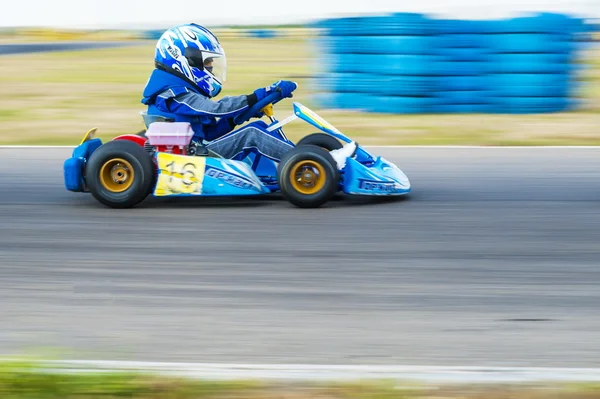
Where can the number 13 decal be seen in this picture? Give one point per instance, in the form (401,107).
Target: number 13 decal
(182,179)
(180,175)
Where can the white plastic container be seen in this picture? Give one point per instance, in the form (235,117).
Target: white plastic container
(170,133)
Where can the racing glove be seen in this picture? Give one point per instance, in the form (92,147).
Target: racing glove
(286,87)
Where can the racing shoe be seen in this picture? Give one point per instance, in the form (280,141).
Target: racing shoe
(340,155)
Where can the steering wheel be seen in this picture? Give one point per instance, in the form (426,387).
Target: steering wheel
(251,112)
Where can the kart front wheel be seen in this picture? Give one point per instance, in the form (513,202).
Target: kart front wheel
(120,174)
(323,140)
(308,176)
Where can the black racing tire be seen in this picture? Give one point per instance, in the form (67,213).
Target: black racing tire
(120,174)
(323,140)
(322,171)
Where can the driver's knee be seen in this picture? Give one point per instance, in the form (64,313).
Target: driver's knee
(253,136)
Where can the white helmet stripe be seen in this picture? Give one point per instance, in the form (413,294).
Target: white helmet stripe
(182,37)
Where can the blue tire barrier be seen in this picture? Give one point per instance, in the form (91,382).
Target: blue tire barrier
(340,26)
(473,54)
(530,63)
(385,64)
(410,86)
(454,68)
(389,25)
(391,85)
(351,101)
(399,24)
(531,85)
(558,90)
(409,63)
(262,33)
(403,45)
(151,34)
(463,97)
(461,27)
(464,41)
(500,81)
(539,23)
(463,83)
(528,43)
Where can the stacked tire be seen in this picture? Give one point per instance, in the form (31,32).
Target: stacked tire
(463,87)
(379,64)
(408,63)
(532,64)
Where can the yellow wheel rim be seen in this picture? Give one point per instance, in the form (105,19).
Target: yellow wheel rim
(116,175)
(307,177)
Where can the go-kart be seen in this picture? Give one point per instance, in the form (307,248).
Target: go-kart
(160,161)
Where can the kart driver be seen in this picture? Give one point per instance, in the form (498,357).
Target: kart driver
(190,70)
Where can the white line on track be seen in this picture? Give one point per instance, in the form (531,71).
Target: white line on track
(334,372)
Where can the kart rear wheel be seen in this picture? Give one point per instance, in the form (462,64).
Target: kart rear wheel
(323,140)
(120,174)
(308,176)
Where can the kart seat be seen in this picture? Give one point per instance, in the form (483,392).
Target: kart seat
(148,119)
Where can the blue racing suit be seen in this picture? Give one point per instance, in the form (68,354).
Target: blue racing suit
(170,96)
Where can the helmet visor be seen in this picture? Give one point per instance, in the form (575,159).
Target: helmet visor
(215,64)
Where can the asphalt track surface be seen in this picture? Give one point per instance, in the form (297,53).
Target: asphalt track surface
(493,261)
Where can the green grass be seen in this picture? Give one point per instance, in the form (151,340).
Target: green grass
(21,380)
(7,115)
(27,380)
(54,98)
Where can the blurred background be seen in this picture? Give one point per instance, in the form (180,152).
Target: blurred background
(431,72)
(493,261)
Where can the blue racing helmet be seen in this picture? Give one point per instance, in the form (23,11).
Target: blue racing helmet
(195,54)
